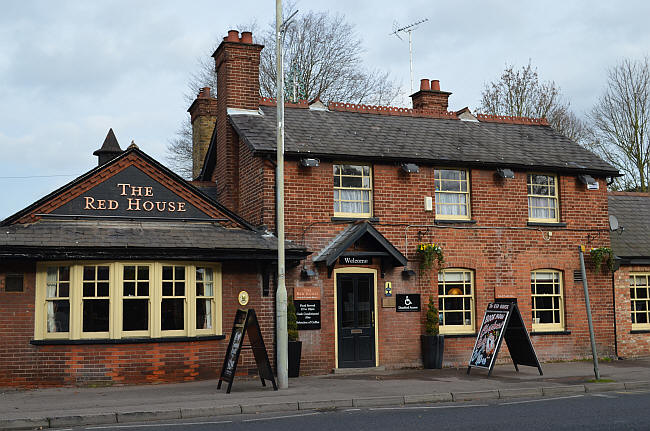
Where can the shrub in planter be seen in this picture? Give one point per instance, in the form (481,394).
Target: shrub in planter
(433,344)
(295,346)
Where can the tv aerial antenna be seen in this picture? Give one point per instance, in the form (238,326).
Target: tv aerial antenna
(408,29)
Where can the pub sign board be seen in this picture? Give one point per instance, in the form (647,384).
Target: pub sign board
(307,313)
(355,260)
(407,302)
(130,193)
(503,321)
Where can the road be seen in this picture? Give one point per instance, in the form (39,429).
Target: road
(607,411)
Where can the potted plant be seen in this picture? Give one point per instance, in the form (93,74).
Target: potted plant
(600,254)
(430,253)
(433,344)
(295,346)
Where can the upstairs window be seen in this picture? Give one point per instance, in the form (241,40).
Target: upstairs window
(542,198)
(352,191)
(452,194)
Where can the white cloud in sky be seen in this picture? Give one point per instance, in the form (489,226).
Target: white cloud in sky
(70,70)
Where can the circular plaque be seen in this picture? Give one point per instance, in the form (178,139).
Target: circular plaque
(243,297)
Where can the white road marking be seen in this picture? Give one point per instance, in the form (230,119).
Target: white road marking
(540,400)
(604,396)
(428,407)
(280,417)
(351,410)
(157,425)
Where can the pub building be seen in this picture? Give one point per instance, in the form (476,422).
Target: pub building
(131,274)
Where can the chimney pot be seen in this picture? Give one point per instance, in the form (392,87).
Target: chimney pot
(233,36)
(204,93)
(246,37)
(424,84)
(435,85)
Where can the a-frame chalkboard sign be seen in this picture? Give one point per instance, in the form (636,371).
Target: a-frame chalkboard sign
(246,320)
(503,320)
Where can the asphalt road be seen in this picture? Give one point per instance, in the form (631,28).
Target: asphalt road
(607,411)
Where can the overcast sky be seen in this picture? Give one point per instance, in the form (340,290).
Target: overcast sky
(70,70)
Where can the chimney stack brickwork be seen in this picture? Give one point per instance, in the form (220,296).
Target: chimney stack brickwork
(430,97)
(203,114)
(237,62)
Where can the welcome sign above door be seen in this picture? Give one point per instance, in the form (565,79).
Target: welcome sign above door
(130,193)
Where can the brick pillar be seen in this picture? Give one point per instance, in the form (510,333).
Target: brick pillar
(430,97)
(203,114)
(237,62)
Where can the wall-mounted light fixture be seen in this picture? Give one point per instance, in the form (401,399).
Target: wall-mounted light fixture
(306,274)
(410,168)
(309,163)
(505,173)
(407,273)
(586,179)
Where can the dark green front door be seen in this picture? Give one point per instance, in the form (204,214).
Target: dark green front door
(356,320)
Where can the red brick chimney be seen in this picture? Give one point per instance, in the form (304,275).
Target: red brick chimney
(430,97)
(203,114)
(237,62)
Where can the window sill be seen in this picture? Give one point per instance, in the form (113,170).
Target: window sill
(542,224)
(126,340)
(550,333)
(470,335)
(353,219)
(640,331)
(459,221)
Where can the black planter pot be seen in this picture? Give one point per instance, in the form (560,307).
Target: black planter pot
(295,350)
(433,347)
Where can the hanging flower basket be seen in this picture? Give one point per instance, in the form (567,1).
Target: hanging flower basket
(600,254)
(429,254)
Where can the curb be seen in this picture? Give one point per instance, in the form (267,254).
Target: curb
(440,397)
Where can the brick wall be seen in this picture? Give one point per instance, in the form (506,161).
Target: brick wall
(25,365)
(500,248)
(629,343)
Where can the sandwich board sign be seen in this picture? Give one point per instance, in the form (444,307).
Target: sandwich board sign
(502,320)
(246,320)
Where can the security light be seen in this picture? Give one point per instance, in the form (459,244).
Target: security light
(505,173)
(306,274)
(410,168)
(586,179)
(309,163)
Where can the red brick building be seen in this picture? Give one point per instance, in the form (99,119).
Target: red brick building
(507,200)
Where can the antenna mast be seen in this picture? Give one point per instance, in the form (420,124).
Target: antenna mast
(409,29)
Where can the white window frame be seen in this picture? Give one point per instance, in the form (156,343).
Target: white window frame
(552,197)
(340,188)
(554,326)
(634,298)
(467,327)
(438,180)
(116,297)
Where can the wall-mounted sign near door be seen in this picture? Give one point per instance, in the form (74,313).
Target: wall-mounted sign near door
(355,260)
(307,313)
(407,302)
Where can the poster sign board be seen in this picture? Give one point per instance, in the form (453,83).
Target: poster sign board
(246,322)
(307,314)
(407,302)
(502,321)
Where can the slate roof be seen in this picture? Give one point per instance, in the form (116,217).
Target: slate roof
(96,235)
(349,236)
(335,134)
(633,213)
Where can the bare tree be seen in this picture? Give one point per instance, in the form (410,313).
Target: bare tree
(322,60)
(620,122)
(520,93)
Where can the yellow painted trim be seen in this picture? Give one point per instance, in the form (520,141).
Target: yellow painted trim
(556,197)
(116,298)
(355,270)
(461,329)
(550,327)
(468,193)
(370,189)
(639,326)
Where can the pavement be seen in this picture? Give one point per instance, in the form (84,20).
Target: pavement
(66,407)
